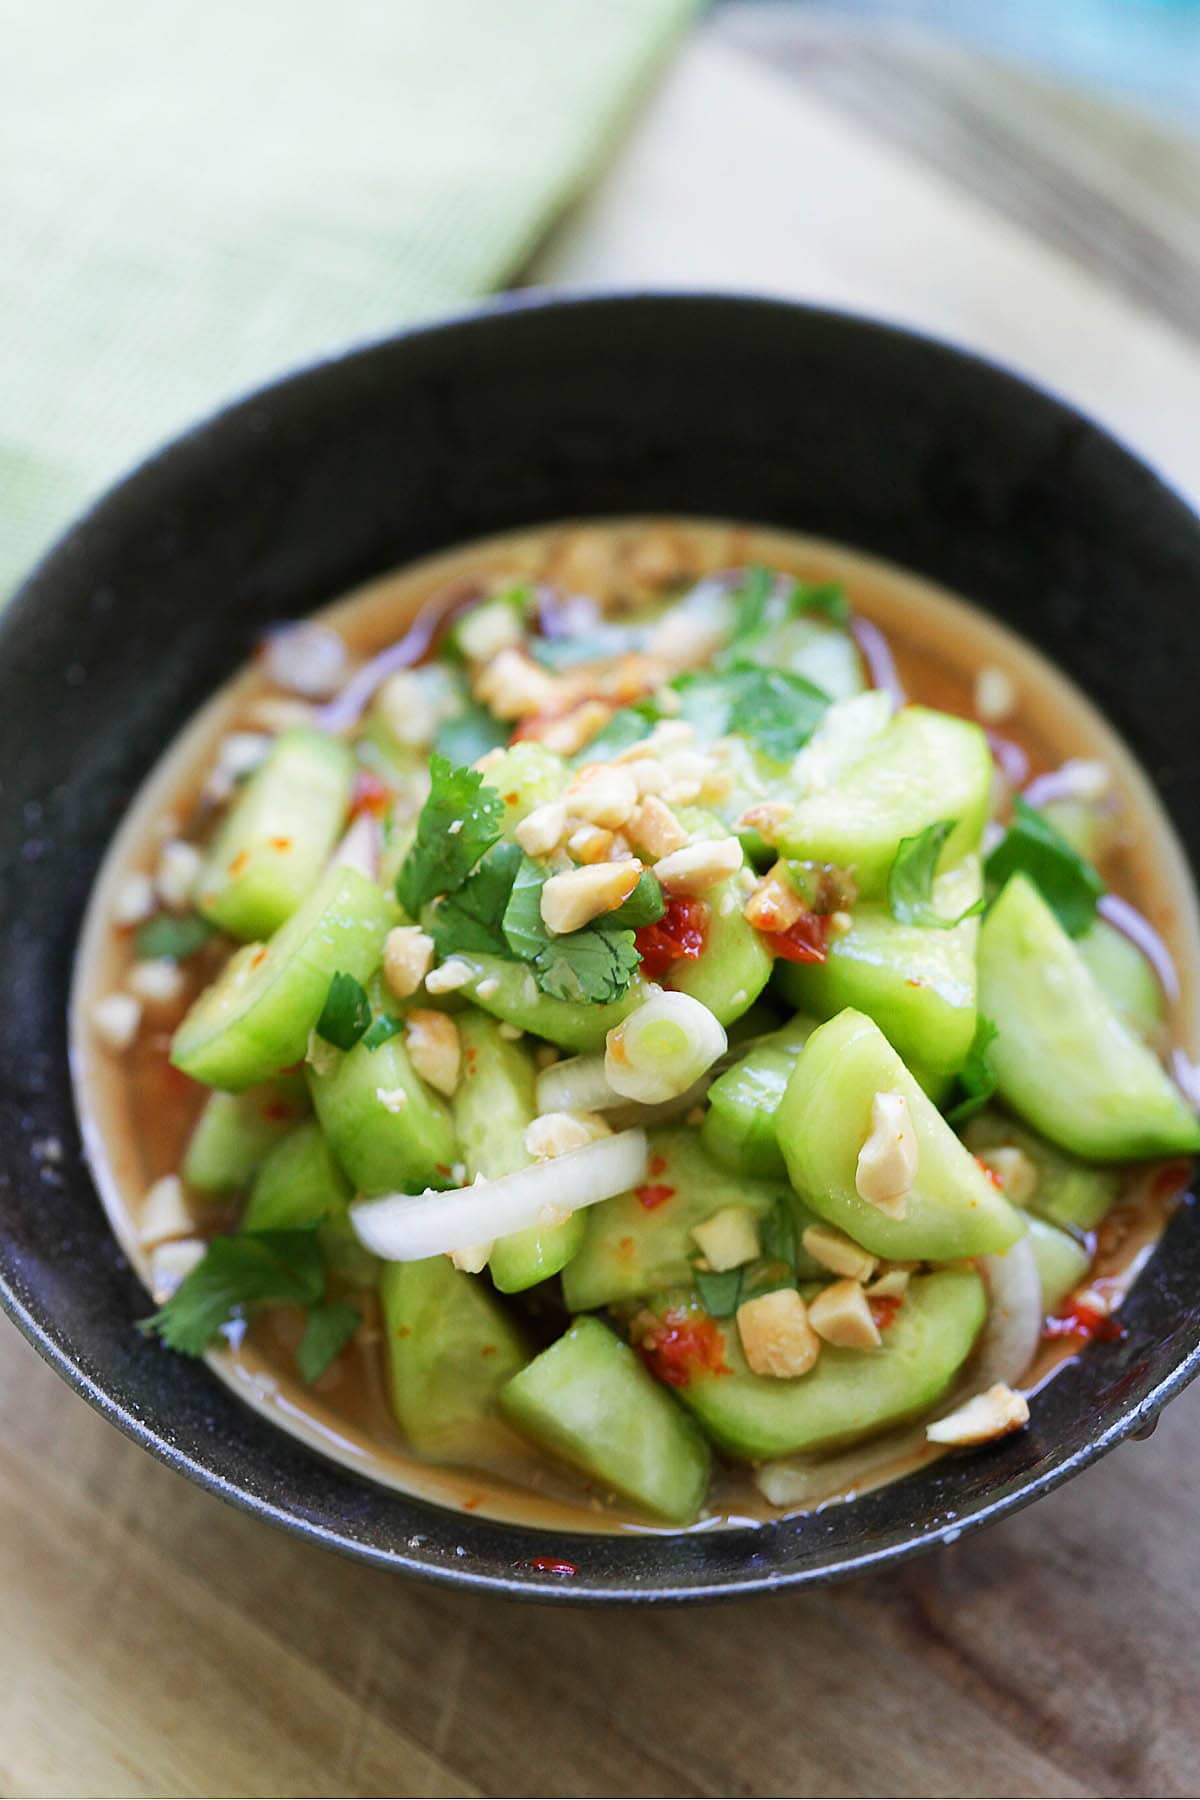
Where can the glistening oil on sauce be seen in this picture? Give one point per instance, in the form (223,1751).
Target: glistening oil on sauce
(136,1112)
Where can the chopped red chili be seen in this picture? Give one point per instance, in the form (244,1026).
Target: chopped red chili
(884,1308)
(804,942)
(1082,1321)
(681,1345)
(653,1193)
(678,934)
(370,795)
(552,1565)
(656,1165)
(992,1174)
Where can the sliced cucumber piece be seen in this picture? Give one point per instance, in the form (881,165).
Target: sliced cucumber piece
(386,1128)
(734,966)
(640,1242)
(451,1347)
(277,835)
(235,1131)
(824,654)
(1063,1058)
(301,1184)
(916,983)
(255,1018)
(1125,977)
(1070,1193)
(924,766)
(739,1126)
(850,1393)
(588,1400)
(525,775)
(825,1118)
(1062,1261)
(493,1108)
(510,993)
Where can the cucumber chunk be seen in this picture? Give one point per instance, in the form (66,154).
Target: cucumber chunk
(525,775)
(850,1393)
(383,1142)
(451,1347)
(277,835)
(734,966)
(630,1248)
(255,1018)
(235,1131)
(823,1121)
(1062,1262)
(739,1126)
(1125,977)
(1070,1193)
(916,983)
(511,994)
(493,1107)
(301,1184)
(924,766)
(588,1400)
(1063,1058)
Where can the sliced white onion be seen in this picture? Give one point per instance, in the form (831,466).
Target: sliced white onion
(578,1084)
(663,1048)
(1014,1323)
(410,1227)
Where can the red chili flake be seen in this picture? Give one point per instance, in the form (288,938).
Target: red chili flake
(488,1350)
(653,1194)
(657,1164)
(625,1247)
(552,1565)
(1085,1322)
(992,1174)
(281,843)
(239,862)
(293,1068)
(680,1345)
(276,1109)
(803,942)
(678,934)
(370,795)
(403,1331)
(472,1503)
(884,1308)
(442,1168)
(259,957)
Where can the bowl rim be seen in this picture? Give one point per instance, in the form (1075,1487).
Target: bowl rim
(1137,1419)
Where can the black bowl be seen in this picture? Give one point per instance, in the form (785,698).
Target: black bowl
(534,410)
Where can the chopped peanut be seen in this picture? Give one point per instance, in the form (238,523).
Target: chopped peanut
(602,795)
(887,1162)
(393,1100)
(474,1259)
(990,1415)
(776,1335)
(553,1134)
(576,728)
(273,713)
(686,772)
(542,830)
(891,1285)
(668,734)
(491,628)
(774,905)
(170,1263)
(512,685)
(840,1314)
(684,640)
(116,1019)
(768,819)
(407,957)
(158,980)
(1016,1172)
(448,976)
(649,775)
(135,900)
(653,827)
(995,695)
(308,659)
(698,867)
(1083,778)
(179,864)
(434,1049)
(165,1213)
(578,896)
(729,1238)
(837,1252)
(409,709)
(840,923)
(591,844)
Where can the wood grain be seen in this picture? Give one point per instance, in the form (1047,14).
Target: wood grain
(157,1642)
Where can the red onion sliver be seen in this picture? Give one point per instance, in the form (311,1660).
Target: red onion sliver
(1012,760)
(346,708)
(1131,924)
(878,657)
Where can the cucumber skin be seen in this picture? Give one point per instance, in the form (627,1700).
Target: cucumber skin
(1125,977)
(301,1184)
(254,1020)
(299,795)
(450,1349)
(849,1394)
(588,1400)
(734,966)
(1072,1194)
(380,1150)
(1062,1262)
(739,1127)
(235,1132)
(1063,1059)
(517,1000)
(823,1121)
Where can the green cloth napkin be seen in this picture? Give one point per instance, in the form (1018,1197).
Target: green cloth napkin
(198,194)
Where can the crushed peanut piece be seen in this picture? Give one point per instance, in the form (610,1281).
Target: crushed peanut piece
(171,1263)
(698,867)
(602,794)
(576,728)
(116,1019)
(1017,1172)
(513,685)
(837,1252)
(434,1049)
(591,844)
(307,659)
(179,865)
(729,1238)
(472,1260)
(411,709)
(407,959)
(989,1415)
(393,1100)
(553,1134)
(767,818)
(487,987)
(513,1033)
(452,974)
(274,714)
(542,830)
(135,900)
(776,1335)
(487,630)
(578,896)
(653,828)
(841,1315)
(839,923)
(887,1162)
(774,905)
(995,695)
(891,1285)
(165,1213)
(158,980)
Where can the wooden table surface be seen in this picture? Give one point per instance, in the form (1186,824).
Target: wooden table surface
(157,1642)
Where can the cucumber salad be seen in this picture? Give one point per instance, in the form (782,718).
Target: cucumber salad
(621,1026)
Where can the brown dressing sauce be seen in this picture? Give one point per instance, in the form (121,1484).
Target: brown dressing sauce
(136,1111)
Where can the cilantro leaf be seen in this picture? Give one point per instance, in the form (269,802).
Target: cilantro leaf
(777,1235)
(459,821)
(173,938)
(605,639)
(471,917)
(386,1026)
(976,1078)
(1069,885)
(524,930)
(470,735)
(912,875)
(778,712)
(750,603)
(828,598)
(628,725)
(719,1291)
(236,1275)
(346,1013)
(329,1329)
(597,963)
(643,907)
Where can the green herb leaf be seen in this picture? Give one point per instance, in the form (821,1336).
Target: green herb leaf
(1067,883)
(911,878)
(776,711)
(238,1274)
(828,598)
(777,1235)
(629,725)
(522,924)
(385,1026)
(642,907)
(976,1079)
(719,1291)
(471,917)
(346,1013)
(750,603)
(173,938)
(470,735)
(606,639)
(329,1329)
(597,963)
(459,821)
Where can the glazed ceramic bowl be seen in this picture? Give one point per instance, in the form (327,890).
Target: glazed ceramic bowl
(529,411)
